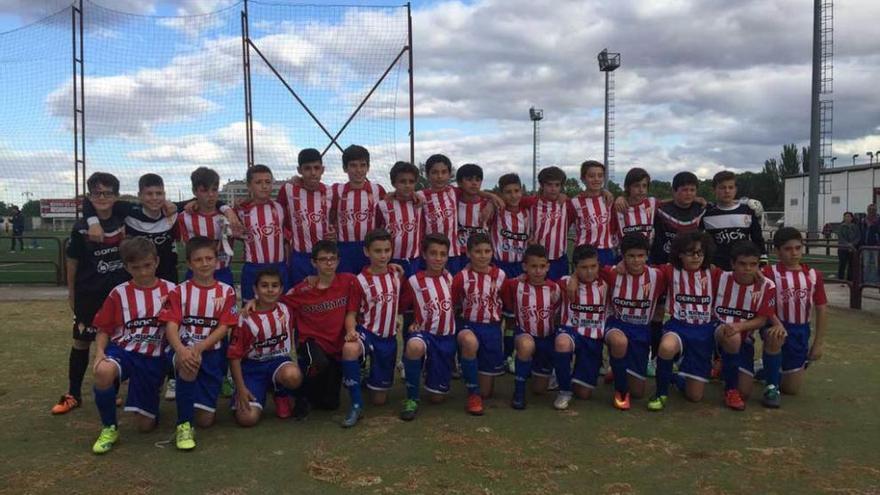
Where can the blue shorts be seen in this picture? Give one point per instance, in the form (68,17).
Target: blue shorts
(438,360)
(457,263)
(383,358)
(249,277)
(209,380)
(697,344)
(410,266)
(638,345)
(511,269)
(299,267)
(587,357)
(351,257)
(558,268)
(221,274)
(796,349)
(259,376)
(490,355)
(542,359)
(145,375)
(608,257)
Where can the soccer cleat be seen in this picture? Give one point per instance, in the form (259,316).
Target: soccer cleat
(228,388)
(65,404)
(109,435)
(475,405)
(410,409)
(518,403)
(657,403)
(171,389)
(283,408)
(771,397)
(354,414)
(621,401)
(301,409)
(651,370)
(185,437)
(562,400)
(734,400)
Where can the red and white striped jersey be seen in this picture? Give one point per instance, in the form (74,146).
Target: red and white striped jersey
(735,303)
(375,298)
(210,225)
(549,224)
(586,314)
(690,295)
(592,220)
(306,215)
(797,291)
(637,219)
(634,297)
(130,316)
(263,230)
(199,310)
(536,307)
(440,215)
(355,209)
(510,234)
(469,222)
(431,299)
(403,220)
(262,335)
(479,294)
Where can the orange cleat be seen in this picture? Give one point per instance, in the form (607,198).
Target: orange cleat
(65,404)
(733,400)
(475,405)
(621,401)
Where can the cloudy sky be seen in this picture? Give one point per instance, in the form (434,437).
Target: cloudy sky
(704,85)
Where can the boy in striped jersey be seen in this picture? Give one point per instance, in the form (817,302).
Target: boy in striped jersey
(477,290)
(591,213)
(129,343)
(440,206)
(634,211)
(371,326)
(471,211)
(401,216)
(263,221)
(353,210)
(198,314)
(581,330)
(432,336)
(509,227)
(535,301)
(800,292)
(549,220)
(259,352)
(744,302)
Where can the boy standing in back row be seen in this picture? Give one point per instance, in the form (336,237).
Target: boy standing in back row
(728,221)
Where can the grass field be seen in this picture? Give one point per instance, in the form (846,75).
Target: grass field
(824,441)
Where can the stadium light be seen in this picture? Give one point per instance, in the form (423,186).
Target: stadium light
(870,157)
(833,159)
(536,115)
(854,158)
(608,62)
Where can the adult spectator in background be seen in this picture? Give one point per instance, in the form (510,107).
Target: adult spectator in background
(17,229)
(871,219)
(870,237)
(849,237)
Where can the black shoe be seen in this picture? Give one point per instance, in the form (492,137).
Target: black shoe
(301,408)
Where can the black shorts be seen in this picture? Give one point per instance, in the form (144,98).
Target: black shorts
(85,307)
(323,377)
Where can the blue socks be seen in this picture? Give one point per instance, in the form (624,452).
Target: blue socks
(562,364)
(523,371)
(351,378)
(412,368)
(106,401)
(664,375)
(772,368)
(184,399)
(618,367)
(730,370)
(469,374)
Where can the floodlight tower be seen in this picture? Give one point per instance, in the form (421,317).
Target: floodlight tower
(608,62)
(536,115)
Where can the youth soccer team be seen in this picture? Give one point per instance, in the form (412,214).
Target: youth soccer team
(475,277)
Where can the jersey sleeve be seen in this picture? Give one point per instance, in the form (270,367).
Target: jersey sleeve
(608,275)
(527,202)
(240,342)
(378,216)
(819,296)
(508,295)
(355,297)
(662,281)
(381,191)
(109,317)
(457,289)
(229,316)
(407,296)
(767,306)
(171,310)
(77,245)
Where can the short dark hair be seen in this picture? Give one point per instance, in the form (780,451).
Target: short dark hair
(509,179)
(400,168)
(535,250)
(587,165)
(478,238)
(684,179)
(377,235)
(258,168)
(785,234)
(104,179)
(199,242)
(354,152)
(634,240)
(723,176)
(551,174)
(136,248)
(268,272)
(435,238)
(744,248)
(435,159)
(324,246)
(150,180)
(634,176)
(583,252)
(309,155)
(469,171)
(204,177)
(684,241)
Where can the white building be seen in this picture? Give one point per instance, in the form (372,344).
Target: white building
(844,189)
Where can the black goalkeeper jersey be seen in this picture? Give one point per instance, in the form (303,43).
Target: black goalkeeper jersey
(730,225)
(669,221)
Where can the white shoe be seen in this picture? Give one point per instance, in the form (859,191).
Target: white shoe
(171,389)
(562,400)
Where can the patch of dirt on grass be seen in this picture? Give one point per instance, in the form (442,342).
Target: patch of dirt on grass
(618,489)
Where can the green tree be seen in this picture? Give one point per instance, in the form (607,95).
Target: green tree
(615,188)
(660,189)
(773,186)
(31,208)
(572,187)
(790,161)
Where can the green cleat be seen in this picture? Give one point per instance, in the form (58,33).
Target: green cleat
(410,408)
(109,435)
(185,437)
(657,403)
(771,398)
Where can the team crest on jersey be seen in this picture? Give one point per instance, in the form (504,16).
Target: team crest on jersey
(704,282)
(646,289)
(354,217)
(533,312)
(792,293)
